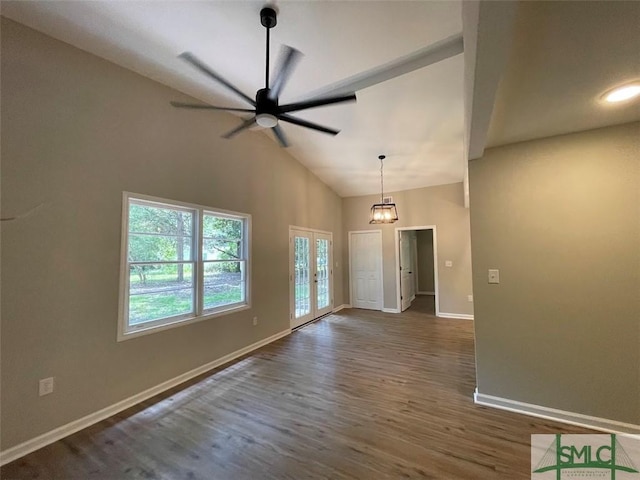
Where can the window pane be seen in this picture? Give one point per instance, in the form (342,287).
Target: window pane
(160,291)
(221,228)
(223,283)
(221,250)
(159,248)
(157,219)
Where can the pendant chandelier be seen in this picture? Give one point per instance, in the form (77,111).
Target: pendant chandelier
(383,212)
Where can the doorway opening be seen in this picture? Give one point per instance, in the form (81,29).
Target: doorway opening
(417,268)
(310,275)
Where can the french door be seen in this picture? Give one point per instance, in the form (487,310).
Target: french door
(310,275)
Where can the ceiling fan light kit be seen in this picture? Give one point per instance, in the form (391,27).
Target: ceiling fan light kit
(383,212)
(266,108)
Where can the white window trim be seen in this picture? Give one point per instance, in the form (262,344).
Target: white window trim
(179,320)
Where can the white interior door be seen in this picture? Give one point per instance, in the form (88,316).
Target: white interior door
(414,264)
(406,272)
(365,249)
(311,275)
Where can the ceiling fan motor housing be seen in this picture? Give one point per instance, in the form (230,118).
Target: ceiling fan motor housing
(266,109)
(264,104)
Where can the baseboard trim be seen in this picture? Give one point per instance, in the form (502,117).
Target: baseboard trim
(341,307)
(426,293)
(571,418)
(391,310)
(459,316)
(56,434)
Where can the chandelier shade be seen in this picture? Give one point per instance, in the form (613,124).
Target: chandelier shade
(383,212)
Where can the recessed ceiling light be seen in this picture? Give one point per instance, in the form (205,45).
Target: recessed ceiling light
(623,93)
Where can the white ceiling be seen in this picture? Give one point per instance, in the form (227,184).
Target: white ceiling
(415,119)
(564,56)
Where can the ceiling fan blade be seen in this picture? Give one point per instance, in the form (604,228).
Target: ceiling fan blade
(289,58)
(320,102)
(280,136)
(243,126)
(208,107)
(193,60)
(434,53)
(304,123)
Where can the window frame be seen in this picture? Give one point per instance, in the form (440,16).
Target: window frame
(125,331)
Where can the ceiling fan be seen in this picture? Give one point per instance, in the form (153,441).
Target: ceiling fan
(266,109)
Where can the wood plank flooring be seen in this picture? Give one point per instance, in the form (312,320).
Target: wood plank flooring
(356,395)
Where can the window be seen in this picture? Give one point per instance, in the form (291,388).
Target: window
(180,263)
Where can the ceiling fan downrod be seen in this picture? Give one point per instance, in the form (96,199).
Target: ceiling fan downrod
(266,104)
(268,19)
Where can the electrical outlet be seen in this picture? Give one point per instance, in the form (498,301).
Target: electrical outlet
(255,321)
(45,386)
(470,298)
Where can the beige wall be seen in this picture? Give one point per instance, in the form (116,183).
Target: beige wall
(441,206)
(425,261)
(560,219)
(76,132)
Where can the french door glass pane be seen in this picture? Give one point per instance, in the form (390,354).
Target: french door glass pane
(223,283)
(322,269)
(302,277)
(160,291)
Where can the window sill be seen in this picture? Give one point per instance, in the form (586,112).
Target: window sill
(139,332)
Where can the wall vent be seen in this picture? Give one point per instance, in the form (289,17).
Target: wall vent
(387,200)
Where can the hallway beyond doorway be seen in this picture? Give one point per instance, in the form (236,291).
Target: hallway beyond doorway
(424,304)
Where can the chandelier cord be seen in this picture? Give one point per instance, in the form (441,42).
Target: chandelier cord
(381,181)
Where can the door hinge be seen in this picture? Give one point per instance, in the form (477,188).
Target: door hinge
(400,297)
(291,316)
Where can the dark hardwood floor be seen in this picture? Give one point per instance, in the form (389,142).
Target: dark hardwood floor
(356,395)
(423,304)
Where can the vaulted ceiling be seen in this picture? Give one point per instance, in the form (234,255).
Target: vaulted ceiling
(529,70)
(415,119)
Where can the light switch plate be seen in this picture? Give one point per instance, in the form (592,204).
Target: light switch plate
(448,263)
(494,276)
(45,386)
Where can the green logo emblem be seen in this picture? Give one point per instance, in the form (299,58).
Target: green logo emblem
(583,456)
